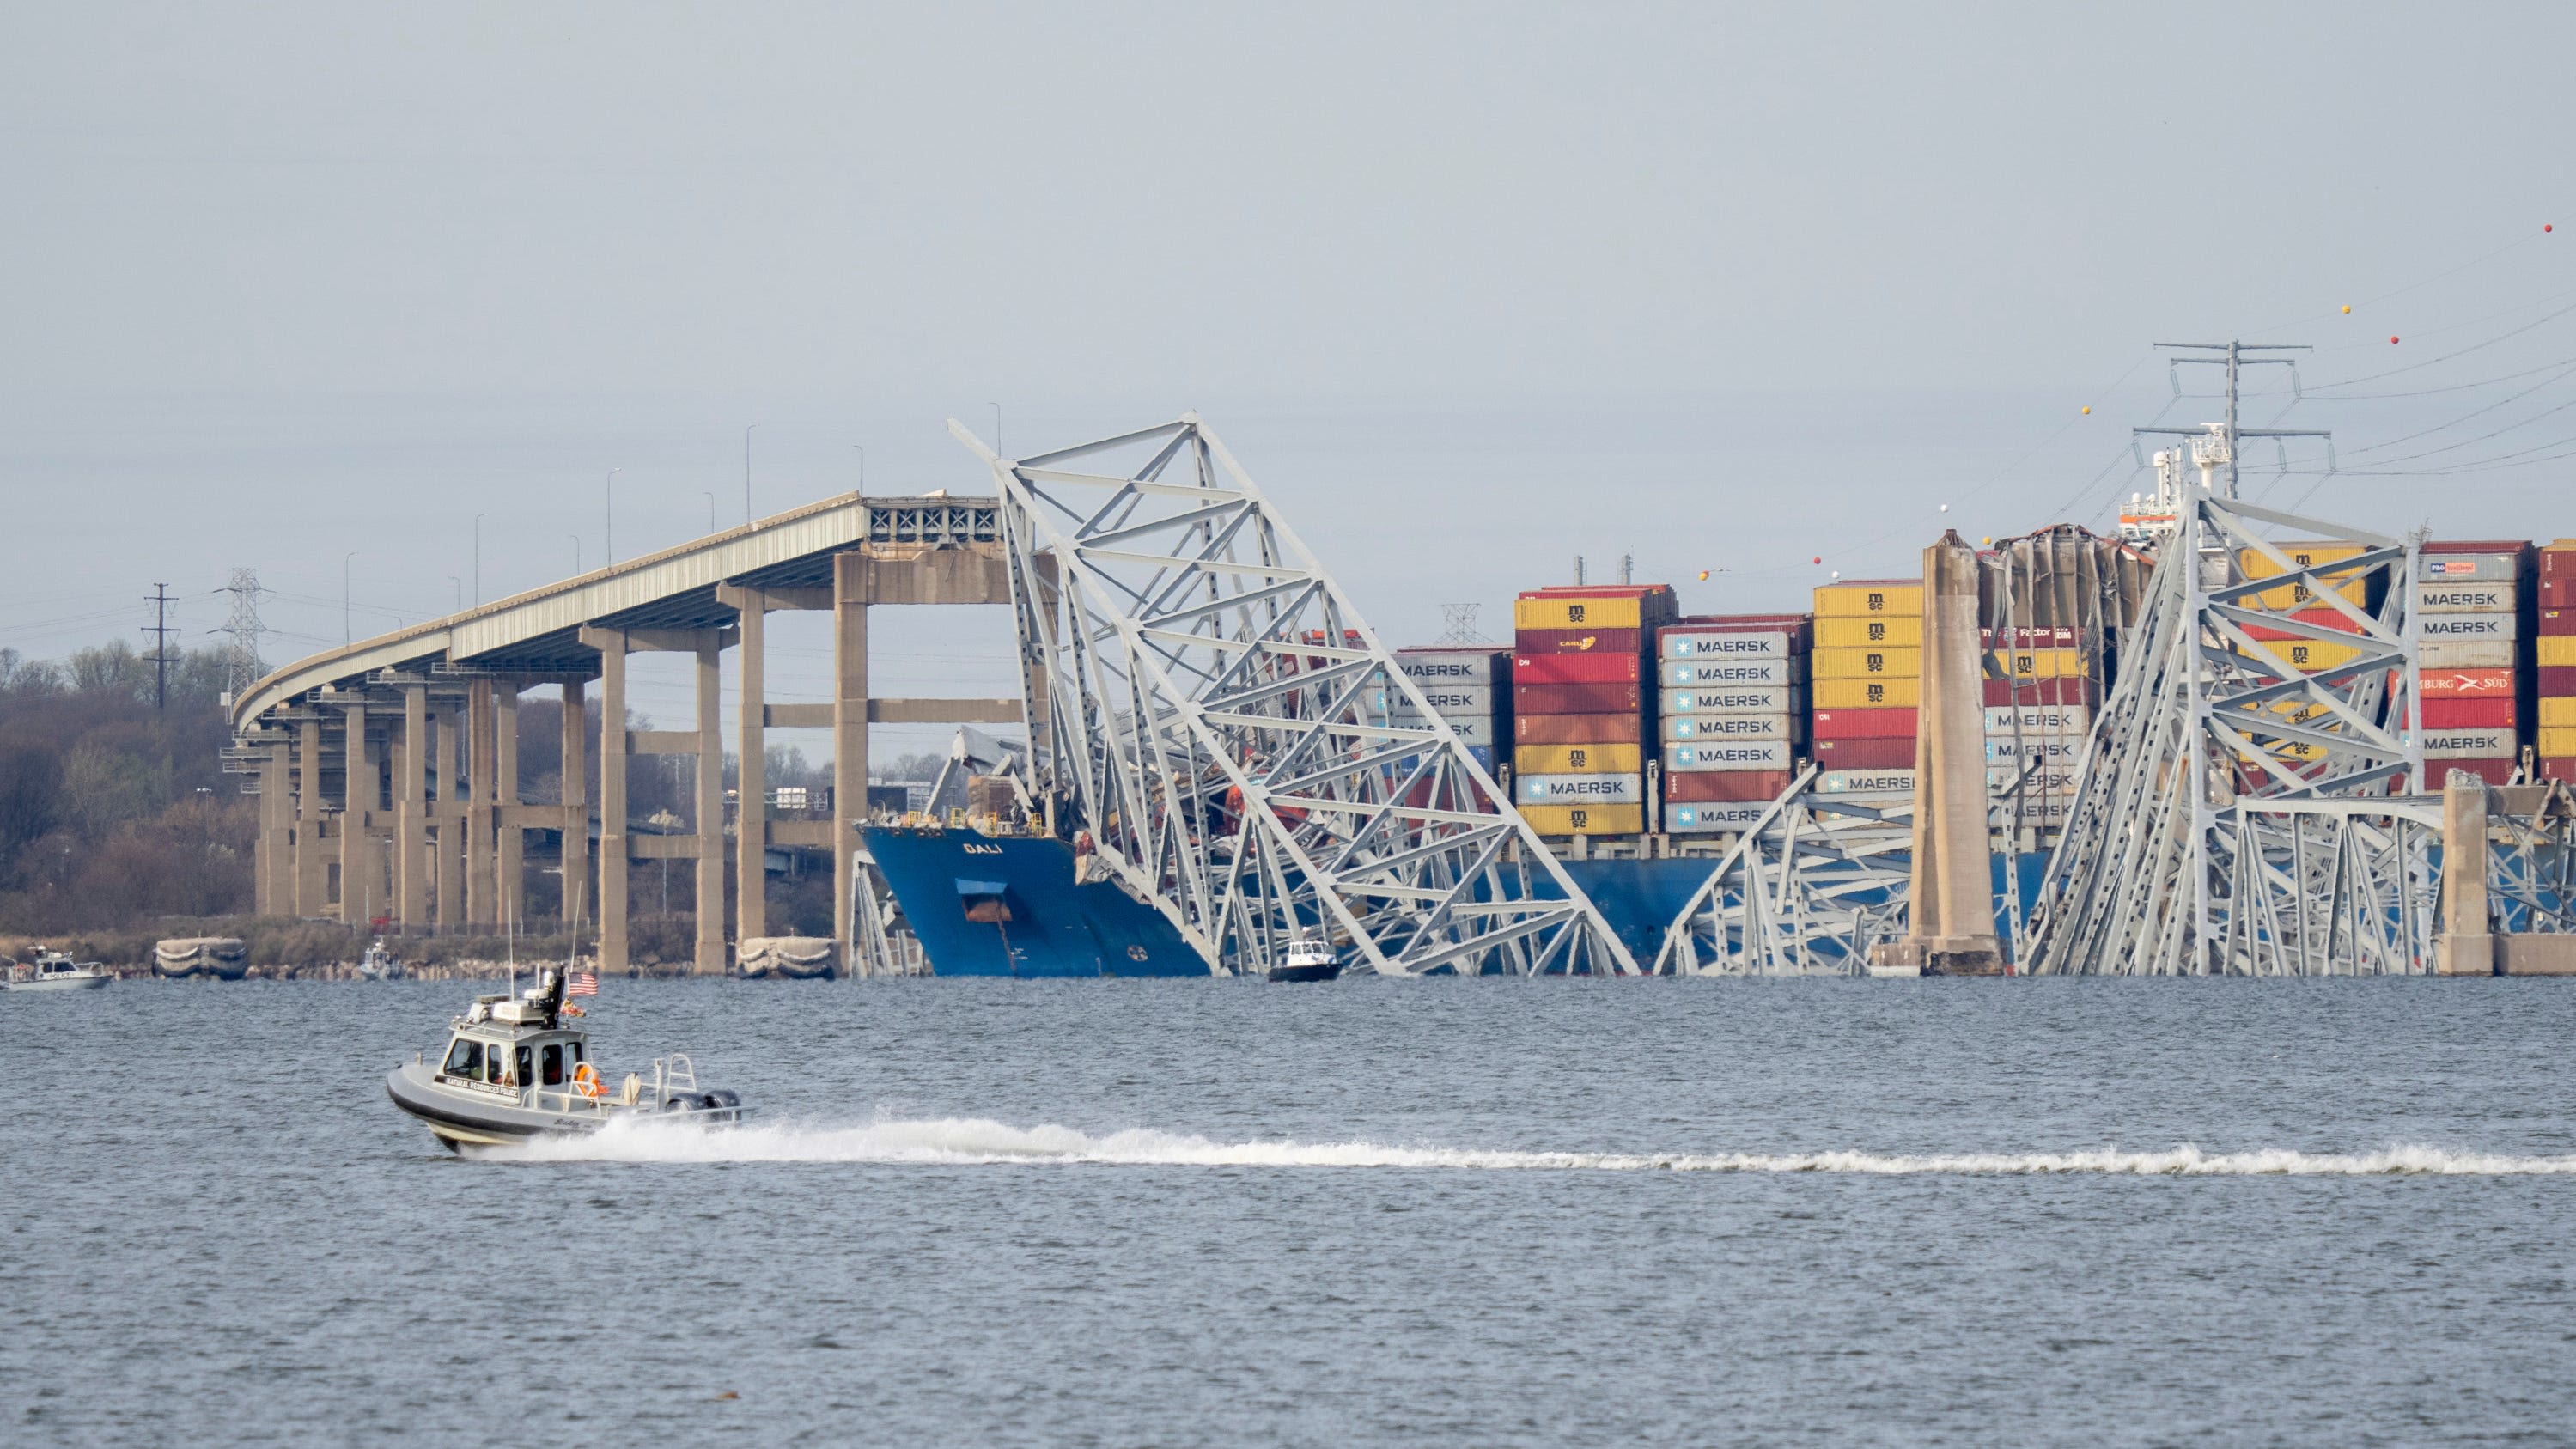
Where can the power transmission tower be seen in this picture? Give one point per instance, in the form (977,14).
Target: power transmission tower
(1458,625)
(241,659)
(2217,445)
(160,629)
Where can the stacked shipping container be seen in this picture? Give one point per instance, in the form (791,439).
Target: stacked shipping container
(2041,686)
(1732,698)
(2554,658)
(1468,688)
(1583,704)
(2474,597)
(1868,667)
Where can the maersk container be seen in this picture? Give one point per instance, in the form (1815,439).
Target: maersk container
(1579,789)
(1751,699)
(1579,641)
(1588,758)
(2500,596)
(2455,654)
(2469,744)
(1470,729)
(1702,786)
(1680,728)
(1575,729)
(2042,719)
(1446,699)
(1732,673)
(1476,668)
(1728,755)
(2467,628)
(1865,782)
(1694,641)
(1714,816)
(2061,749)
(1528,669)
(2045,780)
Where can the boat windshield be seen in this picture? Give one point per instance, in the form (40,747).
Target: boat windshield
(465,1059)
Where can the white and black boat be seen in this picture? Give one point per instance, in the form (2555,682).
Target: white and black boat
(512,1070)
(378,964)
(54,971)
(1311,957)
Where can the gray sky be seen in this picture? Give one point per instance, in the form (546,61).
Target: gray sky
(1471,288)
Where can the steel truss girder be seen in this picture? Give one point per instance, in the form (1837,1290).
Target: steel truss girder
(2237,815)
(1206,697)
(1808,889)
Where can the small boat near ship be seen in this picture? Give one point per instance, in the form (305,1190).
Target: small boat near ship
(1311,957)
(378,964)
(54,971)
(513,1070)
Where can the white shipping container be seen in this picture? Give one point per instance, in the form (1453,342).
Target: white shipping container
(1751,699)
(1728,673)
(1729,755)
(1726,644)
(1444,699)
(2057,749)
(2038,719)
(2043,781)
(2450,654)
(1454,667)
(1783,726)
(2468,744)
(1580,789)
(1865,782)
(2454,567)
(2491,596)
(2035,810)
(1471,729)
(2468,628)
(1695,819)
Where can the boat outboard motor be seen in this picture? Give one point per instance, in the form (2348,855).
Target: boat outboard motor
(549,995)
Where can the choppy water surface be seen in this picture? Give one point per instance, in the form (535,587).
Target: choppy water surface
(1225,1213)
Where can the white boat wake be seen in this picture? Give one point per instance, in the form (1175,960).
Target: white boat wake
(967,1141)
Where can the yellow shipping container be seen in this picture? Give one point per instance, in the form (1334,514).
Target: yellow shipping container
(1868,693)
(2557,650)
(1853,601)
(1905,631)
(1585,819)
(1561,612)
(1610,759)
(2557,743)
(1866,664)
(2299,596)
(2035,664)
(2557,712)
(2308,656)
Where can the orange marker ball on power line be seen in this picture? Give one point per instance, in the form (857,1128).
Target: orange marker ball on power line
(1820,558)
(2347,309)
(2088,412)
(2546,226)
(2392,341)
(1703,576)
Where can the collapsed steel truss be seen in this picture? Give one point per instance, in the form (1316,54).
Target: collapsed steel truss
(2243,811)
(1808,889)
(1235,740)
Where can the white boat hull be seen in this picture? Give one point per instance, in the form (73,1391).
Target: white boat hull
(84,981)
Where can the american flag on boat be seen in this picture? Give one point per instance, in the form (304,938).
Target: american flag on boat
(584,983)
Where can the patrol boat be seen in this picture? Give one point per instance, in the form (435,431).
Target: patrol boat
(54,971)
(1311,957)
(513,1071)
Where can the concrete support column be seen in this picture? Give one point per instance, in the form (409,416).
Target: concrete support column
(446,819)
(575,798)
(850,580)
(711,922)
(411,822)
(751,776)
(2468,940)
(312,868)
(509,867)
(358,867)
(481,883)
(1951,926)
(612,797)
(273,887)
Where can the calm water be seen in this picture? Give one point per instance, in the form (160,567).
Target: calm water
(1225,1213)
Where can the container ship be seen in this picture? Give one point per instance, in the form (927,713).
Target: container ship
(1639,742)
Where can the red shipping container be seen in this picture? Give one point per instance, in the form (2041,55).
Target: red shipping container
(2494,772)
(2468,714)
(2466,683)
(2559,767)
(1625,669)
(2557,681)
(1581,641)
(2558,593)
(1575,699)
(1863,754)
(2065,689)
(2064,636)
(1865,724)
(2558,562)
(1579,729)
(2558,621)
(2323,616)
(1695,787)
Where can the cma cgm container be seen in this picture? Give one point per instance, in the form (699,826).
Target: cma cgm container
(1731,695)
(1582,704)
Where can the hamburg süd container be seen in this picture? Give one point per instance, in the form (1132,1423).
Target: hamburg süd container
(2480,683)
(1579,641)
(1530,669)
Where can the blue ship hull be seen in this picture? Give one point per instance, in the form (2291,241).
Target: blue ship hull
(1007,906)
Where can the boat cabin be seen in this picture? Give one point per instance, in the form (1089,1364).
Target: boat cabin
(510,1047)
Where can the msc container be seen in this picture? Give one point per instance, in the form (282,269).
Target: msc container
(1745,699)
(1704,785)
(1864,754)
(2352,585)
(1585,819)
(2492,597)
(1596,606)
(1627,789)
(2039,719)
(2035,664)
(1724,673)
(2467,628)
(1860,598)
(1577,669)
(1700,641)
(2480,714)
(1864,724)
(1869,693)
(1865,782)
(1687,727)
(1727,755)
(2481,683)
(1579,641)
(1578,729)
(1461,667)
(1724,815)
(2065,689)
(2311,656)
(1871,631)
(2451,654)
(2468,744)
(1576,699)
(1888,663)
(1589,758)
